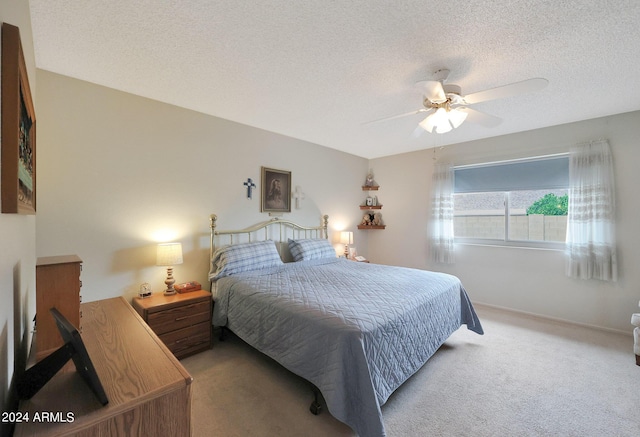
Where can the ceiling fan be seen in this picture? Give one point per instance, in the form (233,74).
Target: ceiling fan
(448,108)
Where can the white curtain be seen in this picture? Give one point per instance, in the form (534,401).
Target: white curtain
(591,240)
(441,225)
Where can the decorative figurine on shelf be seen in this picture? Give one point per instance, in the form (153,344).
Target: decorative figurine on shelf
(377,219)
(369,182)
(371,219)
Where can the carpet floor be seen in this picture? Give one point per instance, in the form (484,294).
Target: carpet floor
(526,376)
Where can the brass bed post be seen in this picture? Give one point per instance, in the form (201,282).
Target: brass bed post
(212,224)
(212,220)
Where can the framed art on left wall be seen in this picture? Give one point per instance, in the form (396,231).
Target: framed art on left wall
(18,154)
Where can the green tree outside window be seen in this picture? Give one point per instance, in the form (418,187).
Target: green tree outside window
(550,204)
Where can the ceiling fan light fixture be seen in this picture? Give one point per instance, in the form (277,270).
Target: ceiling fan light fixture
(442,121)
(427,124)
(457,117)
(444,128)
(449,108)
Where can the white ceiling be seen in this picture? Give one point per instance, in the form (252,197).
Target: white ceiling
(318,70)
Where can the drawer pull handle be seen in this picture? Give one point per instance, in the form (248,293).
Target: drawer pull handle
(192,337)
(182,318)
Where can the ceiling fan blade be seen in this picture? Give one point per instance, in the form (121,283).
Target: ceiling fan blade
(417,132)
(432,90)
(393,117)
(513,89)
(481,118)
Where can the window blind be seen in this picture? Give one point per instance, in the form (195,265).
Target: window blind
(533,174)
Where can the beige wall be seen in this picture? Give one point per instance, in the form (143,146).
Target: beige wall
(17,257)
(117,171)
(528,280)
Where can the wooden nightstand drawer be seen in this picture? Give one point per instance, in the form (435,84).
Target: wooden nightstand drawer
(187,340)
(180,317)
(182,321)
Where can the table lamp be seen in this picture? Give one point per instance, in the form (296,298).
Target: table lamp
(169,254)
(346,238)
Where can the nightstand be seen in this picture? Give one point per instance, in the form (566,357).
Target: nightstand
(182,321)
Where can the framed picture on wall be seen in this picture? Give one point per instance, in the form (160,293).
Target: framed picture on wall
(18,155)
(276,190)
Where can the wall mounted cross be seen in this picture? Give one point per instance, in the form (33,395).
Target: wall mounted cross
(249,184)
(298,195)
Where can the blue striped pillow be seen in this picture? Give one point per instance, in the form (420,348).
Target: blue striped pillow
(311,248)
(244,257)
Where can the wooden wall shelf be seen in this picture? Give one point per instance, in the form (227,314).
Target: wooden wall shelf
(370,208)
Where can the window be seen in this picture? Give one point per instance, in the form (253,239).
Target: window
(512,201)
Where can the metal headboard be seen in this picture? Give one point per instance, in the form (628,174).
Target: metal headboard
(277,229)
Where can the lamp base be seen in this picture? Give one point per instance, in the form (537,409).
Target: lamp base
(170,291)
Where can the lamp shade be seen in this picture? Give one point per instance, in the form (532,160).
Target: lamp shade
(169,254)
(346,237)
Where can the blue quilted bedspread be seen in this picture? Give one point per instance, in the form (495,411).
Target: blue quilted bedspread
(357,331)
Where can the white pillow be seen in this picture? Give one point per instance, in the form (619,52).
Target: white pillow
(244,257)
(311,248)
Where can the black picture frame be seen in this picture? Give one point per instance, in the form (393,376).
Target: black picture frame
(73,348)
(275,190)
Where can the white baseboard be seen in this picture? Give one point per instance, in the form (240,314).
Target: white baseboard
(554,319)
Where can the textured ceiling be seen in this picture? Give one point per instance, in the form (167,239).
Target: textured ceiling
(318,70)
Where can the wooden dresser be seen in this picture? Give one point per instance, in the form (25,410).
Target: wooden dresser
(57,285)
(149,391)
(182,321)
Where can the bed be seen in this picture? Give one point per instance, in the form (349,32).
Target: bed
(355,330)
